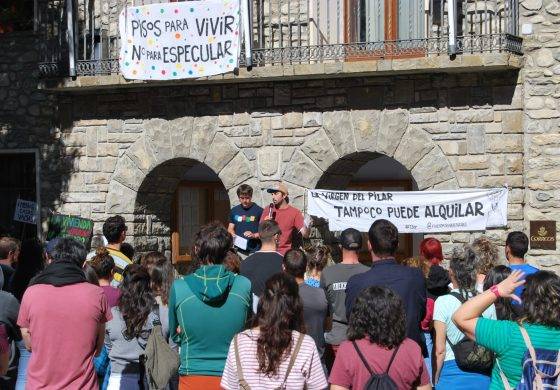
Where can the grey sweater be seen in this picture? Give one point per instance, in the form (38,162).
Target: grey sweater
(125,354)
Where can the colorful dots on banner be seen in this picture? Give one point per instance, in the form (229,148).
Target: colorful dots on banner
(176,11)
(163,72)
(190,71)
(177,36)
(162,10)
(192,9)
(174,73)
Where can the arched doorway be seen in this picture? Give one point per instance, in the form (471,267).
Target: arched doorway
(173,201)
(369,171)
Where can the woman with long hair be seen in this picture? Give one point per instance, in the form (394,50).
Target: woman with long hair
(377,343)
(447,373)
(31,262)
(487,257)
(505,310)
(275,351)
(127,333)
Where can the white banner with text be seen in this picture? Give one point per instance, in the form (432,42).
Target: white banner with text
(411,211)
(170,41)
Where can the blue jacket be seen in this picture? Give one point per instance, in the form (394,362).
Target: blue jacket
(407,282)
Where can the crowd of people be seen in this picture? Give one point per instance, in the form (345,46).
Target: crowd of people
(257,310)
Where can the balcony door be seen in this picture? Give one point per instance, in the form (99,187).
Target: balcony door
(396,26)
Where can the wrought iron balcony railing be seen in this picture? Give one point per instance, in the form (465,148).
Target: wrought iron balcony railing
(294,31)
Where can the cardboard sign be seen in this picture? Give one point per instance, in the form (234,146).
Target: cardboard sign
(78,228)
(26,212)
(412,211)
(543,235)
(179,40)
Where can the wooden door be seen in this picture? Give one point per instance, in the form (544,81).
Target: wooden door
(196,203)
(405,249)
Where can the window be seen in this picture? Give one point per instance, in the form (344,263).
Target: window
(18,175)
(16,15)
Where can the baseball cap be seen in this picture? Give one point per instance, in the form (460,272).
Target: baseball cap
(49,247)
(351,239)
(280,186)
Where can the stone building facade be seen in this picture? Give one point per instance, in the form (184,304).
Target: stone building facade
(109,146)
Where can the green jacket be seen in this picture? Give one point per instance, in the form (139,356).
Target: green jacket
(209,306)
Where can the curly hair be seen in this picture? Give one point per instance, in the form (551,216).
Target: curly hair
(102,263)
(318,256)
(486,254)
(417,262)
(504,307)
(541,299)
(136,300)
(279,312)
(378,314)
(462,265)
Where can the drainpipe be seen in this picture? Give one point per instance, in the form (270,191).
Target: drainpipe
(70,37)
(247,21)
(452,20)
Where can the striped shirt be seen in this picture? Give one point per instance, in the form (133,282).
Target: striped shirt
(307,370)
(504,338)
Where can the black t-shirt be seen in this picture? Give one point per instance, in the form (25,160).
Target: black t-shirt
(260,266)
(247,220)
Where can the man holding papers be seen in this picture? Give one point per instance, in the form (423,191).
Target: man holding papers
(244,222)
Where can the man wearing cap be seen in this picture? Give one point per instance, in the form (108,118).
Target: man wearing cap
(333,281)
(288,217)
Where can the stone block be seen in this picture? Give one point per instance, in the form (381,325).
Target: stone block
(301,171)
(514,164)
(268,159)
(157,137)
(512,121)
(220,152)
(476,139)
(414,145)
(338,127)
(473,162)
(312,119)
(474,116)
(293,120)
(237,171)
(453,147)
(241,119)
(504,143)
(204,129)
(432,169)
(120,199)
(366,125)
(392,126)
(320,150)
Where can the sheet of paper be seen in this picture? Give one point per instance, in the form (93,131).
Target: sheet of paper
(240,242)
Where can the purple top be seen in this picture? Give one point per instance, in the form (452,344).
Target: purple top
(113,294)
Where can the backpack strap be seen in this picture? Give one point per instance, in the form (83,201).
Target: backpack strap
(533,354)
(362,358)
(503,377)
(392,358)
(292,359)
(242,382)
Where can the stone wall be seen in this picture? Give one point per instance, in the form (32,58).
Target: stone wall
(449,131)
(541,75)
(28,116)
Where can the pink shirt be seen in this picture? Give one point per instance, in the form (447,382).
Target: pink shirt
(288,219)
(63,324)
(408,369)
(307,370)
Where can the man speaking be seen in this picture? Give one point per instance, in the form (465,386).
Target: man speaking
(289,219)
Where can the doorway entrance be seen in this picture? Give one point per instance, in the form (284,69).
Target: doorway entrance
(367,171)
(200,198)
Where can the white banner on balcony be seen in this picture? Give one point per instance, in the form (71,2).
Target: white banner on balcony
(181,40)
(412,211)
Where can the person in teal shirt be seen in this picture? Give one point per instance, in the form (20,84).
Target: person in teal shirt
(541,321)
(206,309)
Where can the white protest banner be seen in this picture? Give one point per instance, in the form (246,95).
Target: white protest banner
(412,211)
(179,40)
(26,211)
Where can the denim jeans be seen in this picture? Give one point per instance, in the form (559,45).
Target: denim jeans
(24,356)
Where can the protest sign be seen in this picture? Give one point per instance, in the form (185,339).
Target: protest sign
(78,228)
(26,211)
(179,40)
(412,211)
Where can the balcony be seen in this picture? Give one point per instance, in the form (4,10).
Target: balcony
(301,37)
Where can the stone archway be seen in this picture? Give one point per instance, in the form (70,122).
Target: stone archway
(167,149)
(386,132)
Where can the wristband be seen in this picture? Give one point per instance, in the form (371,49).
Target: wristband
(495,291)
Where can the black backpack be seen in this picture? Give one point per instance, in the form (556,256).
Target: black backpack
(378,381)
(470,356)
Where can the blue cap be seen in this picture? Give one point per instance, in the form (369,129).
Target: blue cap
(49,247)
